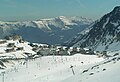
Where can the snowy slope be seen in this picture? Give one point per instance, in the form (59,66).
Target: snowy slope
(16,52)
(52,31)
(26,48)
(49,68)
(105,71)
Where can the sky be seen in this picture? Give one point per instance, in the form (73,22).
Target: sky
(21,10)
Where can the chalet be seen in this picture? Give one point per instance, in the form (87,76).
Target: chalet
(21,41)
(53,46)
(49,46)
(63,52)
(11,45)
(40,46)
(90,52)
(34,49)
(20,48)
(3,41)
(44,52)
(53,51)
(66,48)
(60,48)
(105,55)
(35,46)
(10,50)
(45,46)
(73,50)
(99,54)
(82,51)
(29,55)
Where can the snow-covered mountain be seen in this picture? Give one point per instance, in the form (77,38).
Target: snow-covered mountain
(104,34)
(52,31)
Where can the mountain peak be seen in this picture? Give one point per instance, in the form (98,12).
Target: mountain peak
(117,8)
(61,17)
(114,15)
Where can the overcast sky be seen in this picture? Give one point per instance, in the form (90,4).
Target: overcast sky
(20,10)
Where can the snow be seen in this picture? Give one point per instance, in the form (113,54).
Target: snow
(115,46)
(106,22)
(42,25)
(85,31)
(49,68)
(115,24)
(105,71)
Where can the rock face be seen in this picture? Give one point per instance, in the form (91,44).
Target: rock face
(51,31)
(104,34)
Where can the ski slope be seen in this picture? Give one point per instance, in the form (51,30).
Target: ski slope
(49,68)
(105,71)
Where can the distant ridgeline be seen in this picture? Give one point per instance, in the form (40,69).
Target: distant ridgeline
(51,31)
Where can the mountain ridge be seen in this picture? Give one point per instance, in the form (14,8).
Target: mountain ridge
(52,30)
(103,34)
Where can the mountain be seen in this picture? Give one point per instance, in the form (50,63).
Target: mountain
(104,34)
(52,31)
